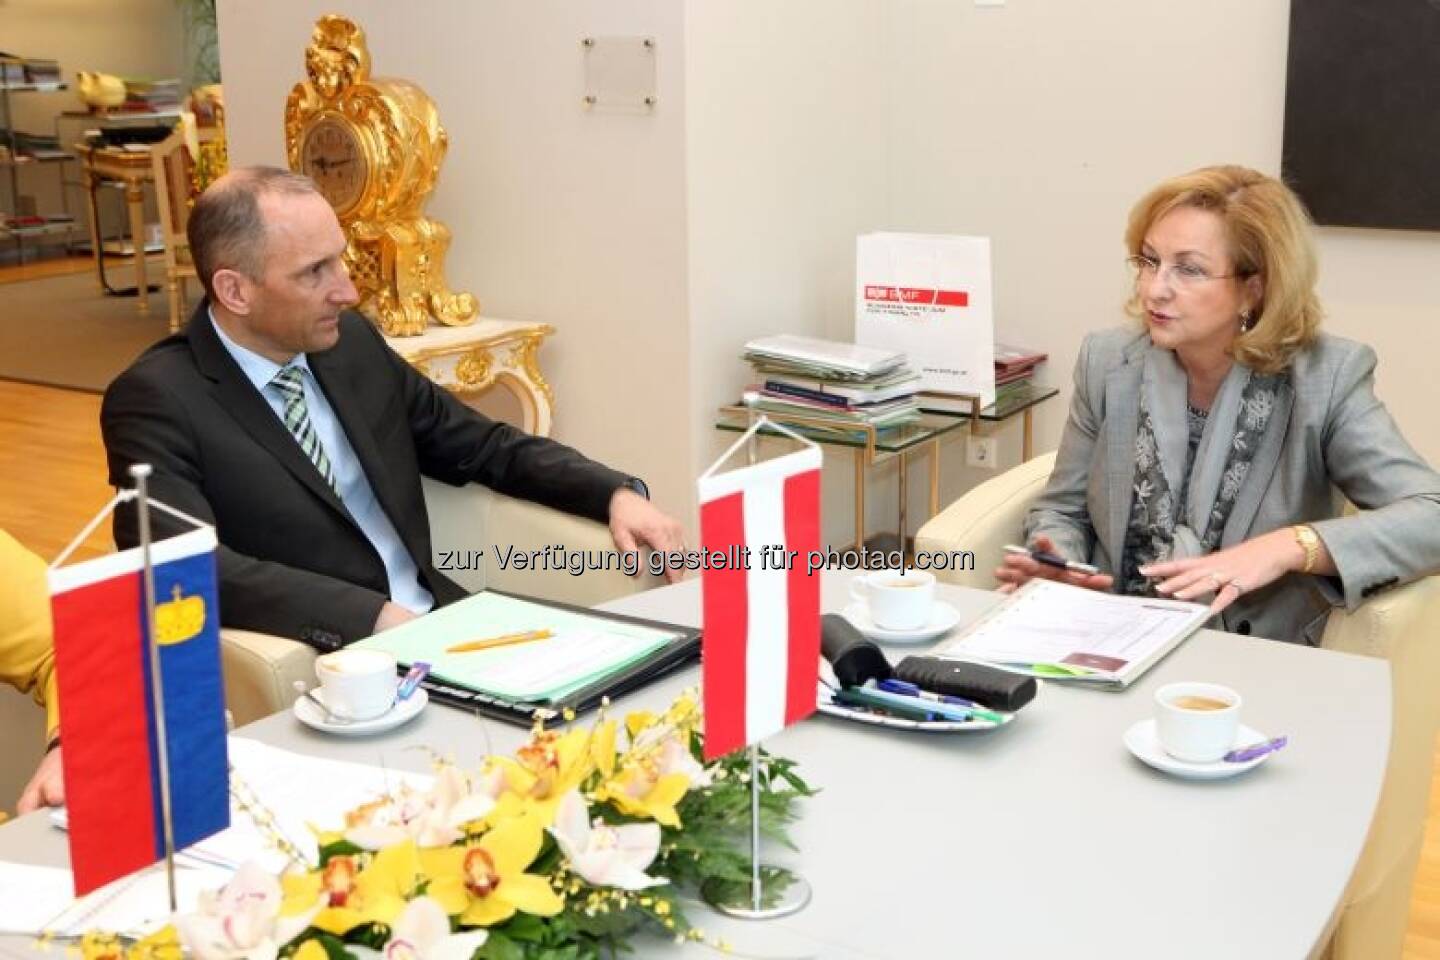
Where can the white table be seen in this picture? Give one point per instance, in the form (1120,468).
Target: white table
(1042,839)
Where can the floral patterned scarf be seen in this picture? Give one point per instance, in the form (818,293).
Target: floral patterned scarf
(1163,525)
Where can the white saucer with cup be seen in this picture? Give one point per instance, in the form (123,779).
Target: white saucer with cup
(1195,725)
(896,600)
(357,684)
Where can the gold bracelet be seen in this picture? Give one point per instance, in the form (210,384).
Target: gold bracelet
(1309,541)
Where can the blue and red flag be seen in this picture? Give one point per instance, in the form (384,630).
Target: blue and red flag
(107,715)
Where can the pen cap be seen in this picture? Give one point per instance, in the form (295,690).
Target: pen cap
(990,686)
(853,658)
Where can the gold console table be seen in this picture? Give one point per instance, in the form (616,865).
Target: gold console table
(470,360)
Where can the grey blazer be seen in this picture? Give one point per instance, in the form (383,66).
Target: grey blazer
(1328,439)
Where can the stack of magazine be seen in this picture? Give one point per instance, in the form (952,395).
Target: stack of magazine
(840,385)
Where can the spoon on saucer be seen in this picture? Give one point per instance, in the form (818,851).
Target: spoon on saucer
(330,715)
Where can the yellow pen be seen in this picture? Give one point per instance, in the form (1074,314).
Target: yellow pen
(504,640)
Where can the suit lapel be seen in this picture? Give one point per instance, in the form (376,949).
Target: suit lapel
(243,402)
(1122,420)
(1262,468)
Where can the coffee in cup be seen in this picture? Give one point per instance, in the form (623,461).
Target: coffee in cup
(896,599)
(358,684)
(1197,722)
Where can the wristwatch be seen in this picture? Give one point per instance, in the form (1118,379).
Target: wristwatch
(638,485)
(1309,541)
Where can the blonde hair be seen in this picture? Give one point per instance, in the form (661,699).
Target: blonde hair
(1268,234)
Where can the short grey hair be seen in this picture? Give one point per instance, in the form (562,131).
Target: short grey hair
(226,230)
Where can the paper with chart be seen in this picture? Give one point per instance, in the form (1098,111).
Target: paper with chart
(1054,629)
(580,649)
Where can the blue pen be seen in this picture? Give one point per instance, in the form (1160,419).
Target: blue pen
(945,710)
(911,690)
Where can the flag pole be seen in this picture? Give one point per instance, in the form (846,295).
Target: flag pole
(141,473)
(792,891)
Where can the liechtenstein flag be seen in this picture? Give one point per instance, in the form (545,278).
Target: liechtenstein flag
(107,716)
(761,626)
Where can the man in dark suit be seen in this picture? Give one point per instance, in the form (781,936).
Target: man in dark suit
(287,421)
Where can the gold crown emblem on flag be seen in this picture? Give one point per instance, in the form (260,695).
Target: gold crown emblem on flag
(179,619)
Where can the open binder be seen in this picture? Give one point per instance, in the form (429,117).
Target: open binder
(509,683)
(1063,632)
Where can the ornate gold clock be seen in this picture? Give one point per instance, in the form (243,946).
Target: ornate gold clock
(374,147)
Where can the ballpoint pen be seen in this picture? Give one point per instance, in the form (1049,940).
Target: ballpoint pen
(504,640)
(910,689)
(946,711)
(855,697)
(1052,560)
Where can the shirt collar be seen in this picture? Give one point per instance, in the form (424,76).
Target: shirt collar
(257,369)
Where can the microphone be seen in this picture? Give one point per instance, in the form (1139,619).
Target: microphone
(853,658)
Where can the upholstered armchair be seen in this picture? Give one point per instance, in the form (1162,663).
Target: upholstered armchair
(1402,626)
(260,670)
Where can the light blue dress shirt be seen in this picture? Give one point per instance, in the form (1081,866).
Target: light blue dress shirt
(350,480)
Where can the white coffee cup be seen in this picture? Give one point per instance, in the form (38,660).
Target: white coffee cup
(358,684)
(896,599)
(1197,722)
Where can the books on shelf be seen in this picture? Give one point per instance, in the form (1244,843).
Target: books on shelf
(1062,632)
(840,384)
(831,358)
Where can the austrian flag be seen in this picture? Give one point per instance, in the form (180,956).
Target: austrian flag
(761,647)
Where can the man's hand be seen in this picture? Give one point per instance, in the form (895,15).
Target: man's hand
(47,787)
(392,615)
(636,522)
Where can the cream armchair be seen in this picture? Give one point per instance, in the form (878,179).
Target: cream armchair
(1402,626)
(260,670)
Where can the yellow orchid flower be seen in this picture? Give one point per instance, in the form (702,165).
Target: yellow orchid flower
(375,894)
(485,883)
(638,792)
(551,765)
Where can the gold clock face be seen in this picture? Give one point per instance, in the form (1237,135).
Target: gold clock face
(332,155)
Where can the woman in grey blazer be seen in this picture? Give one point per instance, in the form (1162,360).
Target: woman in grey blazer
(1208,453)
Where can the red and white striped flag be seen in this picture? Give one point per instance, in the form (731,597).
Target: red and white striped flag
(761,648)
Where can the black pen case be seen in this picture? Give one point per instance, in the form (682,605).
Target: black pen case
(988,686)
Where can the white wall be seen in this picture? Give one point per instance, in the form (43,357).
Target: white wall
(561,215)
(1039,124)
(785,165)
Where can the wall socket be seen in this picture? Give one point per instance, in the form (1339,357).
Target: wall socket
(981,452)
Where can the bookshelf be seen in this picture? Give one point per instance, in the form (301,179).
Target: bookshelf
(20,152)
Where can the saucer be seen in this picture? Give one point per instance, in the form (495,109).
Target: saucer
(943,619)
(312,716)
(1142,741)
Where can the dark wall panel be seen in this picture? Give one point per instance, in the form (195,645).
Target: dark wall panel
(1362,111)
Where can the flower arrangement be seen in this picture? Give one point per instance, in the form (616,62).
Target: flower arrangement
(562,852)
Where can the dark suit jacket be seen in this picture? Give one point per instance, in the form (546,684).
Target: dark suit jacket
(292,561)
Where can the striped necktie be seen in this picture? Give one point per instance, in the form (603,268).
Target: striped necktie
(290,382)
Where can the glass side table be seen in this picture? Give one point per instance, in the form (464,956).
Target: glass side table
(1022,401)
(869,446)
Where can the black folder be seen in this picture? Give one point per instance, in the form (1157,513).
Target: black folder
(659,663)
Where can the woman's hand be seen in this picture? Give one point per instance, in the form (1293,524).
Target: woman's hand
(1016,570)
(1230,572)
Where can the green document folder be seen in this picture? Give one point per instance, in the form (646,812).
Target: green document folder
(590,655)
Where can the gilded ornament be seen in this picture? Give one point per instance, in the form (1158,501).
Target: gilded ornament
(374,147)
(472,370)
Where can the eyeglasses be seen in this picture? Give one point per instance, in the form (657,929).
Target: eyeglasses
(1181,276)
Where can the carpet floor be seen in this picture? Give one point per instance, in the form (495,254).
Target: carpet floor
(63,332)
